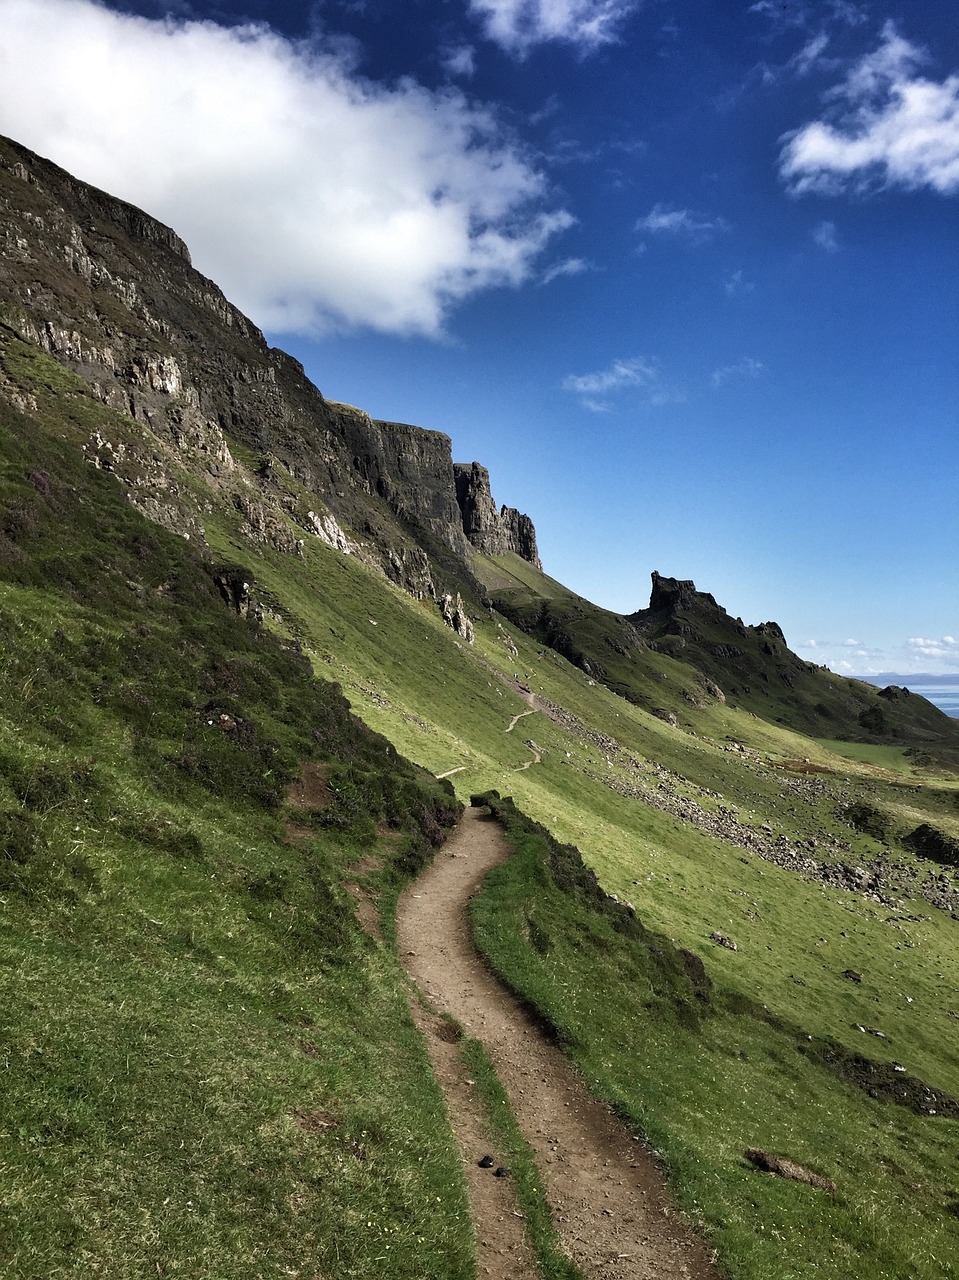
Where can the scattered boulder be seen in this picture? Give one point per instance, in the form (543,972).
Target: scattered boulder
(234,584)
(723,941)
(929,842)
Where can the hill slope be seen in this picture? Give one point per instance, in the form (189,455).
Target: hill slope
(187,803)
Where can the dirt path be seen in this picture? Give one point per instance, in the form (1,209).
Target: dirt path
(512,724)
(606,1195)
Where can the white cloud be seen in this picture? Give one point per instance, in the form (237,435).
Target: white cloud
(747,368)
(459,61)
(568,267)
(736,284)
(784,14)
(824,234)
(316,198)
(887,125)
(682,223)
(518,25)
(853,15)
(946,647)
(636,374)
(810,55)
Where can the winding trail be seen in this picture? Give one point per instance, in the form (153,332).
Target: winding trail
(512,724)
(607,1197)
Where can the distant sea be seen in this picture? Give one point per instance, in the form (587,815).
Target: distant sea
(944,696)
(941,691)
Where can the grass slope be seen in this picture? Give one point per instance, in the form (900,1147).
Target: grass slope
(769,1060)
(208,1068)
(685,653)
(740,1078)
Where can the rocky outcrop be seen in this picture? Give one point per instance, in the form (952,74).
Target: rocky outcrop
(491,530)
(521,535)
(668,595)
(455,616)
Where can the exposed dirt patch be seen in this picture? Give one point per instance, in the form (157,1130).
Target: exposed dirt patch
(502,1249)
(367,912)
(783,1167)
(314,1121)
(310,793)
(607,1196)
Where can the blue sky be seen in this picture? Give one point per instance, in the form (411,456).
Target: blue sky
(682,274)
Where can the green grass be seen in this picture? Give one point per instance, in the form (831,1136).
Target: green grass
(180,972)
(894,759)
(702,1081)
(208,1068)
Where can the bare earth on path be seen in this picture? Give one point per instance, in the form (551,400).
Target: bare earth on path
(605,1192)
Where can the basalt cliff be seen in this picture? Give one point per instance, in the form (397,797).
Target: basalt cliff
(205,416)
(111,294)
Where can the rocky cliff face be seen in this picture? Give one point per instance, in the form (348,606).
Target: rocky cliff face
(490,530)
(111,294)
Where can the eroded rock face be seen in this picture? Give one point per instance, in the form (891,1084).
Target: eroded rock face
(491,530)
(455,616)
(110,293)
(327,530)
(410,569)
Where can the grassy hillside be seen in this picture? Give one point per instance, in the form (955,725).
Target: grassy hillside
(199,931)
(685,652)
(775,1062)
(208,1067)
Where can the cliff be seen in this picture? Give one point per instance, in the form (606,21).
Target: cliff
(111,294)
(490,530)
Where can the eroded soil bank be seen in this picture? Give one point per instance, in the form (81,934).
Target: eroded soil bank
(605,1192)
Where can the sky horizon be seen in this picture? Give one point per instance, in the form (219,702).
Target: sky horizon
(682,275)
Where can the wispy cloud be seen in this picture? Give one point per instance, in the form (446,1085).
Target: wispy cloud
(518,25)
(810,56)
(824,234)
(743,370)
(784,15)
(736,284)
(886,125)
(316,198)
(568,267)
(662,220)
(459,60)
(637,374)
